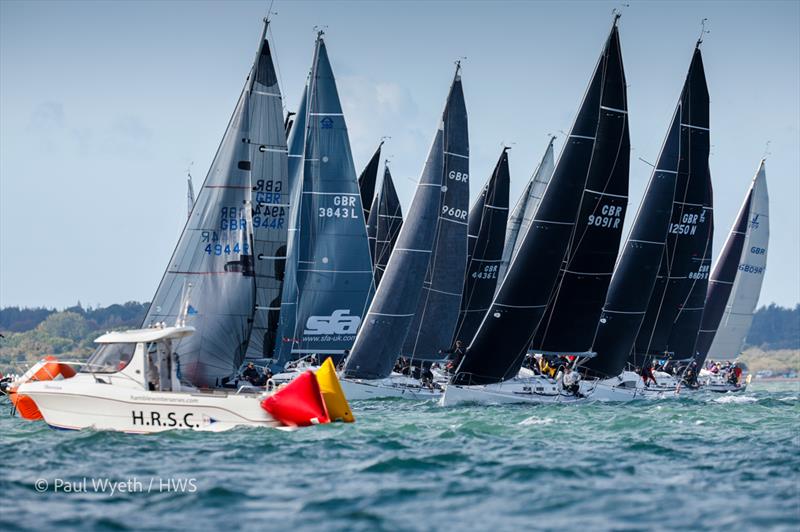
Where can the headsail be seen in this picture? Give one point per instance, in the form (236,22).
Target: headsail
(683,260)
(334,268)
(270,195)
(439,305)
(214,255)
(386,220)
(520,219)
(367,179)
(570,320)
(389,318)
(498,349)
(735,284)
(488,219)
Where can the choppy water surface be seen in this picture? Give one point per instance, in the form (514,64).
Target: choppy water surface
(705,461)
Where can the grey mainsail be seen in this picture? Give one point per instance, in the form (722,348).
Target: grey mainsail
(385,220)
(270,193)
(388,320)
(487,222)
(735,284)
(520,219)
(440,302)
(334,268)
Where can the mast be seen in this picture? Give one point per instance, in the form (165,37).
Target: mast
(735,284)
(388,320)
(440,302)
(501,342)
(488,219)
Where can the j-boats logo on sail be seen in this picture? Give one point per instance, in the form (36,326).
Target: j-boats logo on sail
(339,322)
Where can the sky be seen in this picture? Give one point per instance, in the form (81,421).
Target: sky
(104,105)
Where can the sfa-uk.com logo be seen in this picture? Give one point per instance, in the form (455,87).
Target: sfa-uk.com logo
(112,487)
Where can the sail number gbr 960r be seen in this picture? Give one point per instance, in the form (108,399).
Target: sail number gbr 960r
(344,206)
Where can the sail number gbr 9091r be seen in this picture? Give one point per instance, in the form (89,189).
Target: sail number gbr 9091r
(343,207)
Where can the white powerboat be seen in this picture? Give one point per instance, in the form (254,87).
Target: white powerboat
(132,384)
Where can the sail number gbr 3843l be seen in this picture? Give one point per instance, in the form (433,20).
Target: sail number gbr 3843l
(344,206)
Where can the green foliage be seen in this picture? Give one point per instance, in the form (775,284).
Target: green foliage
(775,327)
(30,334)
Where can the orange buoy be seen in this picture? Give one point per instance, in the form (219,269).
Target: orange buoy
(25,406)
(299,403)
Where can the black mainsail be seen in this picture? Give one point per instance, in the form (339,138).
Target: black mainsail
(501,342)
(367,179)
(388,320)
(683,259)
(440,303)
(570,320)
(487,229)
(385,222)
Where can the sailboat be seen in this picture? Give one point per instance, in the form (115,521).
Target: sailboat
(368,371)
(640,276)
(328,267)
(385,222)
(232,248)
(488,372)
(367,180)
(521,217)
(487,228)
(735,283)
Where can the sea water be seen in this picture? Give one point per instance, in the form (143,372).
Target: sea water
(705,461)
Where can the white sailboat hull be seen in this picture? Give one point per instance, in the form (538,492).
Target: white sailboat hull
(535,389)
(81,403)
(397,386)
(629,387)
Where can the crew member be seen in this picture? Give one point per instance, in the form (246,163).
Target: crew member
(251,374)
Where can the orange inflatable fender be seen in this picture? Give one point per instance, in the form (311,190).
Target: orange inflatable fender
(25,406)
(299,403)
